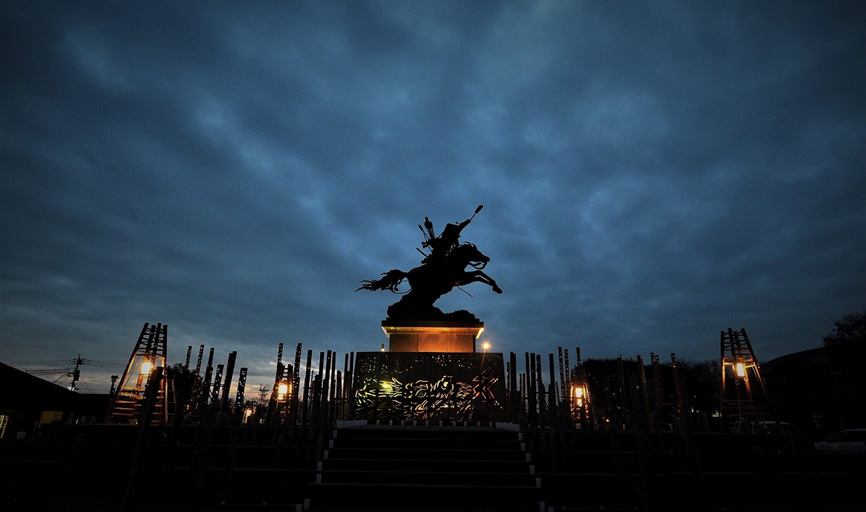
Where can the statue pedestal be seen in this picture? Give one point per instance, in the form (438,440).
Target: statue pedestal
(432,336)
(429,386)
(430,373)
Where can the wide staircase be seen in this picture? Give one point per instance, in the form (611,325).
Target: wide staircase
(417,468)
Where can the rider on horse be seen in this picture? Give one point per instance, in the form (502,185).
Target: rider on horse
(441,245)
(439,272)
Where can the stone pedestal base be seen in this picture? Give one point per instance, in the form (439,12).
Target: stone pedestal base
(429,387)
(436,336)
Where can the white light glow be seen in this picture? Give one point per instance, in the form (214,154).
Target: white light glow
(146,366)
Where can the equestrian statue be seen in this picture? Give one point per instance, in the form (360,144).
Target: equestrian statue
(439,272)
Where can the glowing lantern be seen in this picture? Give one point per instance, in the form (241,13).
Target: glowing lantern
(741,370)
(577,393)
(282,390)
(146,366)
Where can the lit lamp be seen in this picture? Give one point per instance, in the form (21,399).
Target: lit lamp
(577,393)
(740,369)
(282,390)
(146,366)
(485,346)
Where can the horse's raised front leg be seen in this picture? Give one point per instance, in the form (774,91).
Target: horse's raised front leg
(478,276)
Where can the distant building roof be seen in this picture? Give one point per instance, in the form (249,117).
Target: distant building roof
(21,391)
(817,357)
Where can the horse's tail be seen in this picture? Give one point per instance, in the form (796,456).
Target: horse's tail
(390,282)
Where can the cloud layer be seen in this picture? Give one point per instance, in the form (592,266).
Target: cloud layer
(652,173)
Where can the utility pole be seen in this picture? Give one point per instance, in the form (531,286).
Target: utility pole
(263,392)
(76,373)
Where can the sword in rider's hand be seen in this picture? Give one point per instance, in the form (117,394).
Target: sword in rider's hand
(429,226)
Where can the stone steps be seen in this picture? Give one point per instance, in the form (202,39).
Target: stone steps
(425,468)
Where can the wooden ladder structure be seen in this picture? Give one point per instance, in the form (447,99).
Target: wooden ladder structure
(149,353)
(744,397)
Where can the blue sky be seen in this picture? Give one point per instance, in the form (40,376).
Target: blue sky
(651,172)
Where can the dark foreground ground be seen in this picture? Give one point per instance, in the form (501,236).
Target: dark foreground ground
(421,469)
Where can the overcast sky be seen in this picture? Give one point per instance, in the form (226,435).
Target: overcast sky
(652,173)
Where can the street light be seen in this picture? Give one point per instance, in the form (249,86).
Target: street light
(485,346)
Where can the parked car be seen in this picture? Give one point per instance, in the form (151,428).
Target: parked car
(850,441)
(766,427)
(772,427)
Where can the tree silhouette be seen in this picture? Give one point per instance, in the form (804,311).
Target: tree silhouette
(849,329)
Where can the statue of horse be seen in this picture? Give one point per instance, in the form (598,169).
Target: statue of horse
(431,280)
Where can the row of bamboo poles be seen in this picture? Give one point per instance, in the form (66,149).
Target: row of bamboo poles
(564,396)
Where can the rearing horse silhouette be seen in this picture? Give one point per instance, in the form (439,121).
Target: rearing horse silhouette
(433,279)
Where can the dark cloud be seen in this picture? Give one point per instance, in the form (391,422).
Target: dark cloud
(651,173)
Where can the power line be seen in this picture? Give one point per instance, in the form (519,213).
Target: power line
(86,385)
(48,371)
(63,362)
(66,368)
(47,363)
(61,377)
